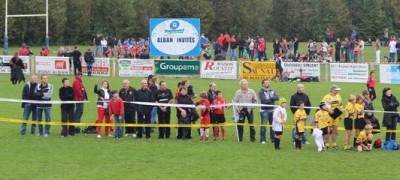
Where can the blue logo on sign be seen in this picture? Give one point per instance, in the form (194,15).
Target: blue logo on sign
(174,25)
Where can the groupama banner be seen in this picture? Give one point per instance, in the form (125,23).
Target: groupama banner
(174,37)
(177,67)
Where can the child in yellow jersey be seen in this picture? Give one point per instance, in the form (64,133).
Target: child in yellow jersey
(334,100)
(348,120)
(359,122)
(300,116)
(322,122)
(364,139)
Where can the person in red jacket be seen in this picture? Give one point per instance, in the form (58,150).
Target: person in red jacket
(371,86)
(219,111)
(23,50)
(204,111)
(117,109)
(79,95)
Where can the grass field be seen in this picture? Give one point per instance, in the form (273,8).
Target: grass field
(85,157)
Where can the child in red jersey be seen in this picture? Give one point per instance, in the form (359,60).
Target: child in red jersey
(204,111)
(117,109)
(219,107)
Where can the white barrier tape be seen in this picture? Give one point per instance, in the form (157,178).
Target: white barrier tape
(172,105)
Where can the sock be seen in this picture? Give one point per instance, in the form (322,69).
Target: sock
(327,145)
(276,143)
(223,132)
(279,143)
(334,145)
(207,132)
(216,133)
(299,141)
(201,133)
(354,142)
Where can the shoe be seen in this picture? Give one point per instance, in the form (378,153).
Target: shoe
(62,136)
(110,135)
(126,135)
(263,142)
(98,136)
(307,142)
(134,135)
(46,135)
(335,147)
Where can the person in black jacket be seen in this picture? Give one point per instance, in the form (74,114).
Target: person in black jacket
(211,96)
(127,94)
(390,119)
(184,113)
(164,95)
(17,67)
(43,92)
(296,98)
(144,111)
(89,60)
(28,93)
(66,93)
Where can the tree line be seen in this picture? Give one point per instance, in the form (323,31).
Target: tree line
(77,21)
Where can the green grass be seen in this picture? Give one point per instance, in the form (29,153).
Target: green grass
(85,157)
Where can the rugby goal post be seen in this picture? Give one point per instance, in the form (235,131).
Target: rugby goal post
(46,40)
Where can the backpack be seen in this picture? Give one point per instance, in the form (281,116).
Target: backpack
(90,130)
(390,145)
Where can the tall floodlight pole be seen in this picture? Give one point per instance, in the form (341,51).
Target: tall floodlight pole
(46,39)
(5,45)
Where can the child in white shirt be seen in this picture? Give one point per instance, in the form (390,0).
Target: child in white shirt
(279,119)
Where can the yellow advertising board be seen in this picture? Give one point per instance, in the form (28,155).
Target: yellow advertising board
(257,70)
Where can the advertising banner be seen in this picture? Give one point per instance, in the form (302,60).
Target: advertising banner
(389,73)
(101,67)
(174,37)
(349,72)
(51,65)
(177,67)
(299,71)
(218,69)
(257,70)
(5,64)
(135,67)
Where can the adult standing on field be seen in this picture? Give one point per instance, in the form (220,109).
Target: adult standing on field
(211,96)
(66,93)
(377,51)
(335,101)
(77,60)
(267,97)
(28,93)
(144,111)
(89,60)
(97,44)
(392,50)
(245,95)
(390,117)
(43,92)
(79,95)
(127,94)
(164,95)
(300,97)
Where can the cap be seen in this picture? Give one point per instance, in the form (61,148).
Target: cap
(321,105)
(282,100)
(335,88)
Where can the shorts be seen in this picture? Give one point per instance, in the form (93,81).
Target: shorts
(359,123)
(335,122)
(278,133)
(324,130)
(220,118)
(348,123)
